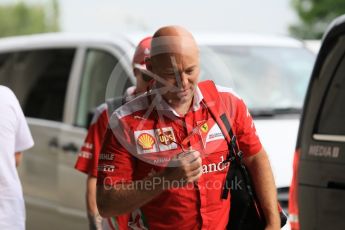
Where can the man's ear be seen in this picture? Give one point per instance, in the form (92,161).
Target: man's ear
(135,72)
(148,64)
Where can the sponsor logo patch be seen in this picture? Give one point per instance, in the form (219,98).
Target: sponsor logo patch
(204,128)
(88,145)
(106,168)
(215,167)
(214,134)
(85,154)
(155,140)
(106,156)
(166,139)
(146,141)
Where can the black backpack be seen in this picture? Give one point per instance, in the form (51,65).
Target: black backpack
(245,211)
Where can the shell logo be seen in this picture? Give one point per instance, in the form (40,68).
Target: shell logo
(204,128)
(146,141)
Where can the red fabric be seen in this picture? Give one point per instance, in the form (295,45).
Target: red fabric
(197,206)
(87,161)
(243,124)
(293,198)
(88,157)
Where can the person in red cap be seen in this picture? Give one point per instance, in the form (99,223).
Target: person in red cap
(89,155)
(138,63)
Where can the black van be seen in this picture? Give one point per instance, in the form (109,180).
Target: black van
(317,194)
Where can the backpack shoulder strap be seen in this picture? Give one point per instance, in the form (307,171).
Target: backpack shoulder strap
(215,105)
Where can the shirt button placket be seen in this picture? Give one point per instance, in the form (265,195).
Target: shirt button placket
(200,185)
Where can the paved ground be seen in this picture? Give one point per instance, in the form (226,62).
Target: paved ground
(39,219)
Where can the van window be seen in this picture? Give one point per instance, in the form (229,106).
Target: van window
(99,67)
(332,114)
(269,79)
(39,79)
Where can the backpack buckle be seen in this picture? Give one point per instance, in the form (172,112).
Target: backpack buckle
(229,159)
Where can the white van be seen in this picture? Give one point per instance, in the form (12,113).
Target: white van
(60,78)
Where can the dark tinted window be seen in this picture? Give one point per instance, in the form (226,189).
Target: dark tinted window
(39,79)
(102,73)
(332,114)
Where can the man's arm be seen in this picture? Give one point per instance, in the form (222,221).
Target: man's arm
(91,195)
(262,177)
(18,156)
(95,220)
(123,198)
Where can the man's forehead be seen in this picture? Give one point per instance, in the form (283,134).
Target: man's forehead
(173,44)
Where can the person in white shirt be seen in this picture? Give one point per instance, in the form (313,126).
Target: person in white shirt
(15,137)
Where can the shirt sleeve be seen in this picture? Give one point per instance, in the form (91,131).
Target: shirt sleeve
(23,139)
(89,153)
(116,164)
(248,140)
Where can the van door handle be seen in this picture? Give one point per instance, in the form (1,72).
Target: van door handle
(336,185)
(70,147)
(53,143)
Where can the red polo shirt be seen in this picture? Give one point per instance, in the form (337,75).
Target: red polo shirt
(142,140)
(87,163)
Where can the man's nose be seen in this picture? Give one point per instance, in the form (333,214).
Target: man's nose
(184,80)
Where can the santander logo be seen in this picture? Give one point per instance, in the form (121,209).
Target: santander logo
(215,167)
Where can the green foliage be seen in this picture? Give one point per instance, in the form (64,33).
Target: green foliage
(315,15)
(21,19)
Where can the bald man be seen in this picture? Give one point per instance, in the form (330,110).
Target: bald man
(166,152)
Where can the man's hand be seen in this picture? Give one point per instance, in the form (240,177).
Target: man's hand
(185,168)
(95,222)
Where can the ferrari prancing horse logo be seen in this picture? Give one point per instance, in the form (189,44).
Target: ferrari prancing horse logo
(204,128)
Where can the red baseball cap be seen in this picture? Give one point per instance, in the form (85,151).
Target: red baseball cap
(142,52)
